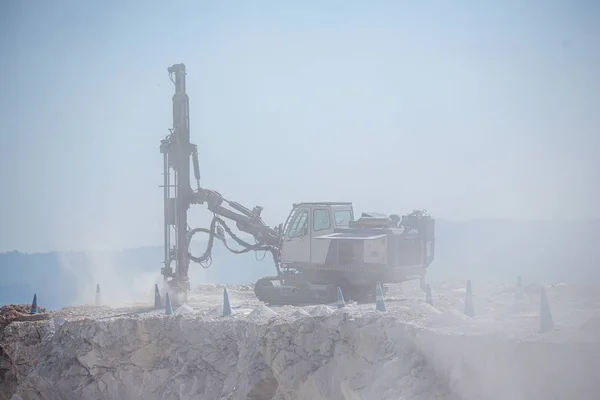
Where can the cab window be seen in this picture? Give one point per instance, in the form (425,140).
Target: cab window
(343,217)
(299,224)
(321,220)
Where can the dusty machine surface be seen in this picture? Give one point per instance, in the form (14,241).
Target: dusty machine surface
(324,247)
(320,246)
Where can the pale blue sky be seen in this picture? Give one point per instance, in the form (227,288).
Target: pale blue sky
(468,109)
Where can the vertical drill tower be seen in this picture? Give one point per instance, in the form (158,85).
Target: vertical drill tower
(178,194)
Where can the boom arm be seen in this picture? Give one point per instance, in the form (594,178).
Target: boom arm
(249,221)
(246,220)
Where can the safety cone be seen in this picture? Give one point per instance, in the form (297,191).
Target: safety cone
(340,298)
(168,308)
(546,321)
(34,306)
(469,307)
(519,294)
(98,298)
(379,301)
(226,304)
(428,297)
(157,301)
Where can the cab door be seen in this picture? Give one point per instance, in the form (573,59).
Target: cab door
(297,244)
(322,224)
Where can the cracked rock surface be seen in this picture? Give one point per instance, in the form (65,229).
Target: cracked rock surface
(336,356)
(414,351)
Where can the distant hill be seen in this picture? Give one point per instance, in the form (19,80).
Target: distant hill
(62,279)
(483,250)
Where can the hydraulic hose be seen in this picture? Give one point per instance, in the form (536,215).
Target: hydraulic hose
(213,233)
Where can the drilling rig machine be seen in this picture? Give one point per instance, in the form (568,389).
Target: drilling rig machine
(319,247)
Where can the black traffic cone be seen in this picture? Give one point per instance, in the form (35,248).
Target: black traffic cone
(168,306)
(546,321)
(98,301)
(157,302)
(428,296)
(469,307)
(34,306)
(519,294)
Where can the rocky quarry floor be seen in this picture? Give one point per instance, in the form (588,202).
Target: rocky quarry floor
(412,351)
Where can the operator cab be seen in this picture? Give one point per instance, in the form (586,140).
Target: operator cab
(307,221)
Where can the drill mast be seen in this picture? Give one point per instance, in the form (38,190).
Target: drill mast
(178,194)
